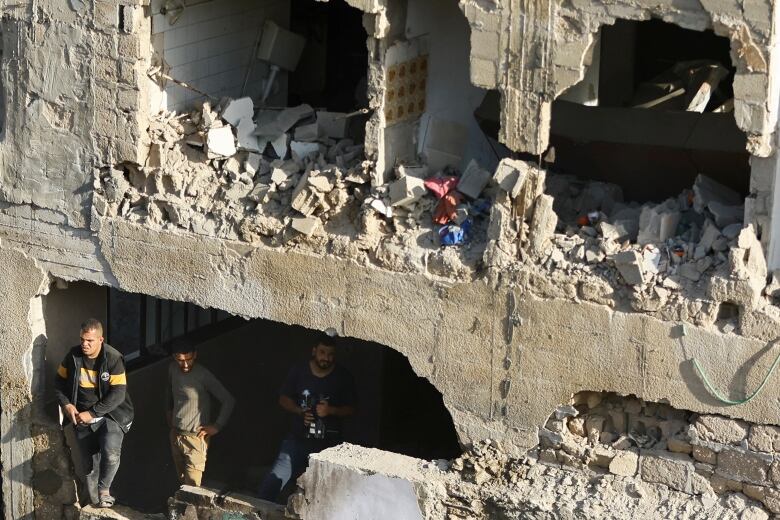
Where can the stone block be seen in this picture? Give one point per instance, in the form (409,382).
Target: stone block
(196,496)
(624,463)
(677,445)
(220,142)
(629,264)
(774,473)
(772,500)
(510,176)
(406,190)
(704,454)
(306,225)
(744,466)
(674,471)
(764,438)
(722,485)
(755,492)
(542,225)
(473,180)
(715,428)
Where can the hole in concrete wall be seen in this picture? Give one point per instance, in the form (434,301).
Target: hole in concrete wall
(397,410)
(664,113)
(286,52)
(602,432)
(728,311)
(653,64)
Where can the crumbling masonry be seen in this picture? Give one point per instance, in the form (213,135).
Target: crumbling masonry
(481,271)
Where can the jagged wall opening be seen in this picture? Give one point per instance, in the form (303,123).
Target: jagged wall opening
(662,115)
(397,410)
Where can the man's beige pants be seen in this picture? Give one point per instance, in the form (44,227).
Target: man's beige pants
(189,457)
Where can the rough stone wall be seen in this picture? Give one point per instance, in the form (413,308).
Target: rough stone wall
(22,282)
(532,51)
(694,454)
(73,86)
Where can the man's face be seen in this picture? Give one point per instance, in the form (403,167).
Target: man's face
(186,360)
(324,356)
(91,341)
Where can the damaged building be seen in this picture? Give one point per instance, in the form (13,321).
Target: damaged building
(543,233)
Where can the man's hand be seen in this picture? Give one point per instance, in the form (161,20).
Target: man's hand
(207,431)
(71,413)
(308,417)
(323,409)
(84,417)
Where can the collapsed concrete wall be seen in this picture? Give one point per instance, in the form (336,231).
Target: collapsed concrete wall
(504,328)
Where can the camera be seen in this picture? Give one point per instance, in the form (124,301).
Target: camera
(316,428)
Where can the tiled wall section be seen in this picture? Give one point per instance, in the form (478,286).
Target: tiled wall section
(211,45)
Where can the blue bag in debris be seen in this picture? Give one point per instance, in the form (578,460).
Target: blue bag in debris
(453,234)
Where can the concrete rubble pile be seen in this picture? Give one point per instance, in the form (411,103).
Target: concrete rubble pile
(236,173)
(694,242)
(695,454)
(611,482)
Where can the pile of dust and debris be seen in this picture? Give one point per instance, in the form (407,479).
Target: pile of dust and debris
(292,178)
(490,484)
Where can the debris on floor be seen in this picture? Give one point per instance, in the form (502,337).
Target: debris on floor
(236,173)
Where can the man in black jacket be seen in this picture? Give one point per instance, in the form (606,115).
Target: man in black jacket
(92,392)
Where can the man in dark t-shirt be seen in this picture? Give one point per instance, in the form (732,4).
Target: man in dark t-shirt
(318,394)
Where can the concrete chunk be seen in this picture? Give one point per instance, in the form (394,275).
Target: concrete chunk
(304,150)
(238,110)
(630,265)
(473,180)
(542,225)
(406,190)
(284,120)
(221,142)
(306,225)
(510,175)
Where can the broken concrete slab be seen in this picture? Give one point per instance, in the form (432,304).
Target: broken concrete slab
(303,150)
(630,265)
(245,136)
(726,215)
(473,180)
(220,142)
(406,190)
(284,120)
(306,225)
(238,110)
(510,175)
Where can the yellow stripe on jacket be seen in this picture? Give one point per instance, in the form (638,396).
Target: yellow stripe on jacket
(88,379)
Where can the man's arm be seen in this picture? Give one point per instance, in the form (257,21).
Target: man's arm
(117,380)
(226,401)
(62,391)
(325,409)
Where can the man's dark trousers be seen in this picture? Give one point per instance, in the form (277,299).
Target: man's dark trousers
(100,447)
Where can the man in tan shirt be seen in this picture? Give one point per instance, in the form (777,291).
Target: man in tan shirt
(189,391)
